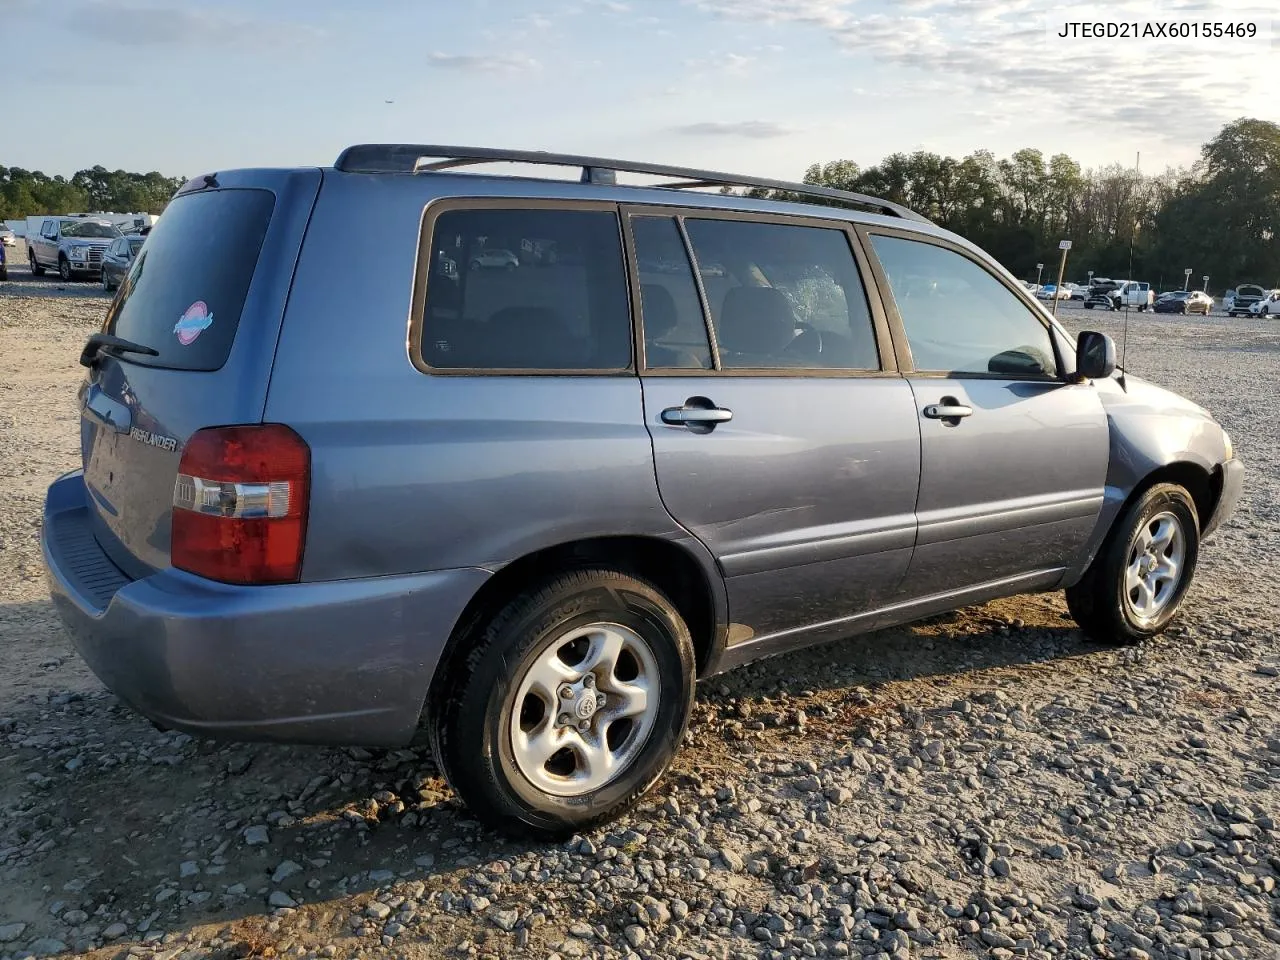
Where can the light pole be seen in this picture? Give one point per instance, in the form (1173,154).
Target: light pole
(1039,272)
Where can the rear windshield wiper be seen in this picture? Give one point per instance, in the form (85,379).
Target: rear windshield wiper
(105,341)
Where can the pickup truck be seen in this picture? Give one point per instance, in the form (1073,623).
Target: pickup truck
(1118,294)
(73,246)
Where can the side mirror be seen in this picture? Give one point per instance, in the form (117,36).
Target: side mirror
(1095,355)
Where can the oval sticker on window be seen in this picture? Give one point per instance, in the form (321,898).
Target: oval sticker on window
(193,323)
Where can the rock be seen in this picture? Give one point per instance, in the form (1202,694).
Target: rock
(393,929)
(807,784)
(504,919)
(1242,831)
(995,938)
(731,860)
(476,904)
(653,913)
(1085,900)
(188,868)
(279,898)
(635,935)
(75,917)
(1268,669)
(256,835)
(1056,852)
(46,947)
(284,871)
(115,931)
(239,764)
(906,920)
(838,796)
(11,932)
(381,876)
(378,910)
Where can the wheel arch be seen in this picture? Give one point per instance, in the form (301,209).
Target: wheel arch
(1204,486)
(673,567)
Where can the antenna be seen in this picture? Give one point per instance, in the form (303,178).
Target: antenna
(1124,335)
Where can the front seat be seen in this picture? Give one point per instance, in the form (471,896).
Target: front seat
(756,326)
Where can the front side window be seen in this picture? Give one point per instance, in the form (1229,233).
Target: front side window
(783,296)
(526,289)
(960,319)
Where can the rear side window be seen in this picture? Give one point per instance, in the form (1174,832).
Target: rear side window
(535,289)
(783,296)
(185,291)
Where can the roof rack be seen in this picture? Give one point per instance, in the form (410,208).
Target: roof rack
(416,158)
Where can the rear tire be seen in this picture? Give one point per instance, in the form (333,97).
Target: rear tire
(36,269)
(521,692)
(1129,592)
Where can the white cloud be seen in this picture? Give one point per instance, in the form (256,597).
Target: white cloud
(750,129)
(997,53)
(482,63)
(154,24)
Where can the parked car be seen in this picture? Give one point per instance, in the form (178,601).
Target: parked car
(1051,291)
(1184,301)
(1079,291)
(498,258)
(7,238)
(1270,307)
(1118,294)
(118,258)
(527,522)
(72,246)
(1246,295)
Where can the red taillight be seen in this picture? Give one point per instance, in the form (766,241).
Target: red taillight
(240,504)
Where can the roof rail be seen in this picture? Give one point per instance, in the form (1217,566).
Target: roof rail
(416,158)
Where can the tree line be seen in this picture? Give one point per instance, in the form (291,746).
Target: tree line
(1220,217)
(25,193)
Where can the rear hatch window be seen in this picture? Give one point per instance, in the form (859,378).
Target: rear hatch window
(185,291)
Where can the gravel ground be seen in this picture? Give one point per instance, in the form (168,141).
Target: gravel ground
(983,784)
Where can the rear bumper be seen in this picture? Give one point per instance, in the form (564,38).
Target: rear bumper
(341,662)
(1232,487)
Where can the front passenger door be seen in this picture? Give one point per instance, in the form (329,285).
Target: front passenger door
(1013,457)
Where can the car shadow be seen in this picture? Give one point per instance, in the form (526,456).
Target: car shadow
(106,811)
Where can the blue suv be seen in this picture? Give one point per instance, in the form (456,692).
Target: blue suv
(514,476)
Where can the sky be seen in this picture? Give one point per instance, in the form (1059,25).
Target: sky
(764,87)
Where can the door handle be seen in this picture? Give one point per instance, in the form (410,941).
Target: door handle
(948,409)
(679,416)
(698,414)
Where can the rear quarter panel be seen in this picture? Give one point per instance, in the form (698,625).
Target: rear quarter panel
(414,472)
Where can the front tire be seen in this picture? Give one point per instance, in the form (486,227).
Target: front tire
(64,269)
(1136,584)
(568,705)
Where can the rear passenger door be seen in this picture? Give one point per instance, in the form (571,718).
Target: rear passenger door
(1014,456)
(783,436)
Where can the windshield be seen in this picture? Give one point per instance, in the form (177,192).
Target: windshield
(89,228)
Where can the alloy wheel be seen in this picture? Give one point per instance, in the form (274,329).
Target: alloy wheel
(1154,566)
(584,709)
